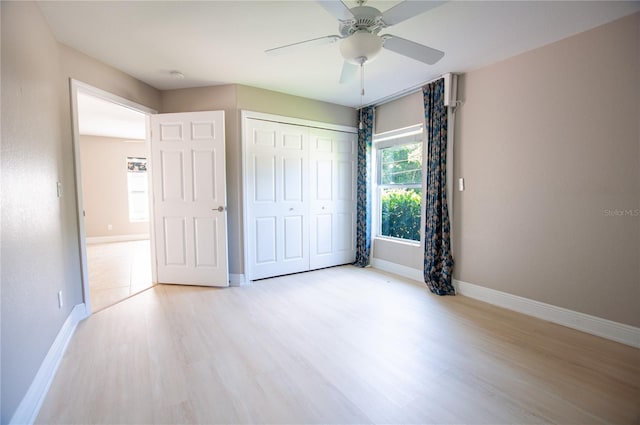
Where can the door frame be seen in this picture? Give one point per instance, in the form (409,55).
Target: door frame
(76,87)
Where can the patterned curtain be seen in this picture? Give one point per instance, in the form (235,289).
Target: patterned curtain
(363,208)
(438,262)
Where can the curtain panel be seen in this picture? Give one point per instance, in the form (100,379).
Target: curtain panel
(438,260)
(363,187)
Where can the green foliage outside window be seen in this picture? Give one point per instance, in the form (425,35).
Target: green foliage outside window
(401,200)
(400,213)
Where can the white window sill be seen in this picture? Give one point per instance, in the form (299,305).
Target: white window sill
(397,241)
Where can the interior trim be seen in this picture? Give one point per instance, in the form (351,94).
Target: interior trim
(619,332)
(29,407)
(614,331)
(117,238)
(238,279)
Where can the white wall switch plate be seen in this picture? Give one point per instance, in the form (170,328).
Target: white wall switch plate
(461,184)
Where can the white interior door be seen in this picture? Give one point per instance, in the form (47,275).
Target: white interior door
(276,177)
(190,219)
(332,206)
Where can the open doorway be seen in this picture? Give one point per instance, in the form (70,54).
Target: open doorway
(112,172)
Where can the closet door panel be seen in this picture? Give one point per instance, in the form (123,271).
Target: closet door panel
(323,180)
(276,174)
(293,179)
(324,232)
(294,238)
(264,181)
(332,208)
(265,237)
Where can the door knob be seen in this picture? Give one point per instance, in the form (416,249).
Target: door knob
(220,208)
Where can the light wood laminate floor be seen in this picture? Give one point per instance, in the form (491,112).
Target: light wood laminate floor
(340,345)
(117,270)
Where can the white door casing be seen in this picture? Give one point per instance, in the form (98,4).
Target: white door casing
(333,197)
(276,177)
(189,187)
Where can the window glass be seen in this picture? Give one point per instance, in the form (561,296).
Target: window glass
(138,189)
(400,191)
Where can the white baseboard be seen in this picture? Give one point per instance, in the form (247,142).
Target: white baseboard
(237,280)
(400,270)
(30,405)
(619,332)
(117,238)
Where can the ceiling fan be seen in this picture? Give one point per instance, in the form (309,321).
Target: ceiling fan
(359,34)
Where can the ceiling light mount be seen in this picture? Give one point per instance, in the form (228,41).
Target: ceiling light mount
(360,47)
(176,75)
(364,18)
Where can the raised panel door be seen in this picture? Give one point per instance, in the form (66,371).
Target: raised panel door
(332,207)
(188,175)
(276,177)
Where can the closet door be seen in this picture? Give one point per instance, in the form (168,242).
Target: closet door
(276,176)
(333,198)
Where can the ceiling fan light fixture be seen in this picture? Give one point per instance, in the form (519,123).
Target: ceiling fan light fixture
(360,47)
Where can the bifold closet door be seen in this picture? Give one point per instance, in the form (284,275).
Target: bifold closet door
(333,198)
(276,161)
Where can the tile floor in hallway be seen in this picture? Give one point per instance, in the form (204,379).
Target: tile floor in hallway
(117,270)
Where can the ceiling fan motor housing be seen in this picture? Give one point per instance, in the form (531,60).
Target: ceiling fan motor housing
(364,18)
(361,42)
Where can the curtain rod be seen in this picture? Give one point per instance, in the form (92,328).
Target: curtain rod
(402,93)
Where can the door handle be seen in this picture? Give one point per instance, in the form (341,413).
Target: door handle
(220,208)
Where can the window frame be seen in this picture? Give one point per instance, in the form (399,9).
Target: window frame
(131,193)
(403,136)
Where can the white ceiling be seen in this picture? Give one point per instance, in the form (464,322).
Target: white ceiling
(97,117)
(223,42)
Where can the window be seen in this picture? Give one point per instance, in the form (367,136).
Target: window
(400,185)
(138,189)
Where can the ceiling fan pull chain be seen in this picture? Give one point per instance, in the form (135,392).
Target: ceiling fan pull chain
(361,83)
(360,125)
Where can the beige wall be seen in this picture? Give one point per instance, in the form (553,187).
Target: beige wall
(232,99)
(38,230)
(548,142)
(400,113)
(271,102)
(105,187)
(39,238)
(84,68)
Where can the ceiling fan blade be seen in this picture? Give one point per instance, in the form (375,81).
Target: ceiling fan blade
(349,72)
(301,44)
(337,9)
(407,9)
(412,49)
